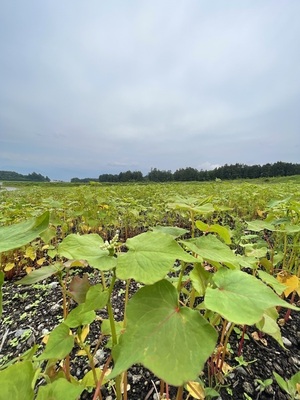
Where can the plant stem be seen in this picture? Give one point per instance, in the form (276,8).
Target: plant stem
(225,344)
(99,384)
(288,312)
(125,385)
(192,215)
(225,323)
(167,392)
(240,349)
(113,331)
(162,388)
(126,301)
(179,393)
(192,298)
(183,266)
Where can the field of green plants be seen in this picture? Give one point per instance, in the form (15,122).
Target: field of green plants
(206,259)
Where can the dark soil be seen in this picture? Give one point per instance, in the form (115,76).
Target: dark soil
(30,311)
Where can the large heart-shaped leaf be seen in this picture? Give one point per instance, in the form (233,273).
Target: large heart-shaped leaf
(241,298)
(212,249)
(172,341)
(89,248)
(150,257)
(17,235)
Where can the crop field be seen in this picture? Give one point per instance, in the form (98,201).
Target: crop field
(171,277)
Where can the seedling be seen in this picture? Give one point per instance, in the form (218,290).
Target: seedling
(290,386)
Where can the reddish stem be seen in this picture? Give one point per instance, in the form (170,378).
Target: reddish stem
(240,349)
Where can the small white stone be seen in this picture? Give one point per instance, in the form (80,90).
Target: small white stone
(286,342)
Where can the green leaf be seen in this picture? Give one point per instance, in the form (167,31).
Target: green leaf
(281,382)
(48,234)
(88,379)
(200,279)
(96,298)
(241,298)
(201,209)
(79,316)
(150,257)
(1,284)
(258,225)
(87,247)
(59,344)
(222,231)
(60,389)
(269,325)
(38,275)
(273,282)
(15,382)
(174,231)
(17,235)
(172,341)
(212,249)
(295,379)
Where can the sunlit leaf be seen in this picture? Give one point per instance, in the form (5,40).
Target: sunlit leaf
(30,253)
(196,390)
(40,261)
(290,281)
(84,332)
(9,266)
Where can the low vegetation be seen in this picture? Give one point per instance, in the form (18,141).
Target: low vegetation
(206,260)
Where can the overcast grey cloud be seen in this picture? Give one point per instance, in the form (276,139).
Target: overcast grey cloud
(91,87)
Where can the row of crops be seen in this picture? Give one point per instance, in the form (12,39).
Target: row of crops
(195,249)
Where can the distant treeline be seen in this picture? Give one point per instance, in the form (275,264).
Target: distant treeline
(226,172)
(14,176)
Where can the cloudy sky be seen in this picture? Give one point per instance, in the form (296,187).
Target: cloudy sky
(92,87)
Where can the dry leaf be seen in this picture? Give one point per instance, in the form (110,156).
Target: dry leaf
(196,390)
(9,266)
(290,281)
